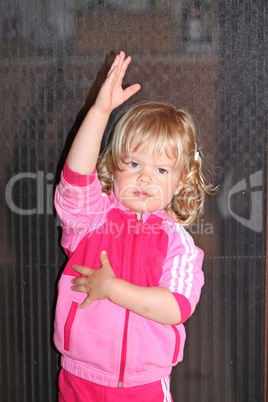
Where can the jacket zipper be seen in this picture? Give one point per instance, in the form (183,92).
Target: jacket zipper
(124,341)
(124,351)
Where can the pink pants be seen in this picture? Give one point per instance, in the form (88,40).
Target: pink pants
(75,389)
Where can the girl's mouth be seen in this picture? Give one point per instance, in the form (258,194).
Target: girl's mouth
(141,194)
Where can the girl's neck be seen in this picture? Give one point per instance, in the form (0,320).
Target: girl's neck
(138,214)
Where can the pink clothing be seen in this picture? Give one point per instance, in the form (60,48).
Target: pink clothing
(105,343)
(75,389)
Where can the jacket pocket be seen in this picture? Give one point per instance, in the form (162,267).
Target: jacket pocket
(69,324)
(177,344)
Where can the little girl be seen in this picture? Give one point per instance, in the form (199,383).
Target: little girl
(134,274)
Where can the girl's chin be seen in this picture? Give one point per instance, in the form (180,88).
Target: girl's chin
(144,207)
(142,204)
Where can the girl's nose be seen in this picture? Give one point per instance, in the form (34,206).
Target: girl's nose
(145,177)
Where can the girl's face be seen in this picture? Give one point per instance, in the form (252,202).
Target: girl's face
(147,184)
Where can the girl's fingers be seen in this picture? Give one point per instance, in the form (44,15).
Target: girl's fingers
(78,281)
(85,303)
(122,56)
(130,91)
(81,269)
(112,70)
(122,68)
(119,58)
(114,64)
(79,288)
(125,66)
(122,64)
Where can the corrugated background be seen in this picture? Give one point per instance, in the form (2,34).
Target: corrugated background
(54,55)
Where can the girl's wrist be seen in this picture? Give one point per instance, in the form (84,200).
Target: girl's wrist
(114,289)
(100,112)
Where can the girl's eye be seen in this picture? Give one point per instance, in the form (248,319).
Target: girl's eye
(162,171)
(134,164)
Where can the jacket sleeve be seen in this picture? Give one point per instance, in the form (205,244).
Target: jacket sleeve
(80,205)
(182,271)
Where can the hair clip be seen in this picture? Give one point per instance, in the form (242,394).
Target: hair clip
(196,155)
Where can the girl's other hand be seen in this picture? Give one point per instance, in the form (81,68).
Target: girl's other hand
(96,282)
(112,94)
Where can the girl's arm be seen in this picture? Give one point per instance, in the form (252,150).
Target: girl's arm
(155,303)
(84,152)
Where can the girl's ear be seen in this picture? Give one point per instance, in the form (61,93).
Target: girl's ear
(179,187)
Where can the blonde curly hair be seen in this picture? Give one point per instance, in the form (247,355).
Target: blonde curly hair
(168,130)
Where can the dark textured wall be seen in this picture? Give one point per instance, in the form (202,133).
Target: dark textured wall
(54,55)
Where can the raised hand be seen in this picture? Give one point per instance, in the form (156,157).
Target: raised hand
(84,152)
(96,282)
(112,94)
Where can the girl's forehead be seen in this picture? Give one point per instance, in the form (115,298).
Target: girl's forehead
(146,144)
(153,147)
(146,152)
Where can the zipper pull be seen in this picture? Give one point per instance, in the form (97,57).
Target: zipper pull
(120,384)
(136,229)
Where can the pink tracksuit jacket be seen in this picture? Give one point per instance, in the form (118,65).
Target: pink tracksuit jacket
(105,343)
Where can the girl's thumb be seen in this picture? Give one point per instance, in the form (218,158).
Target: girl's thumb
(103,256)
